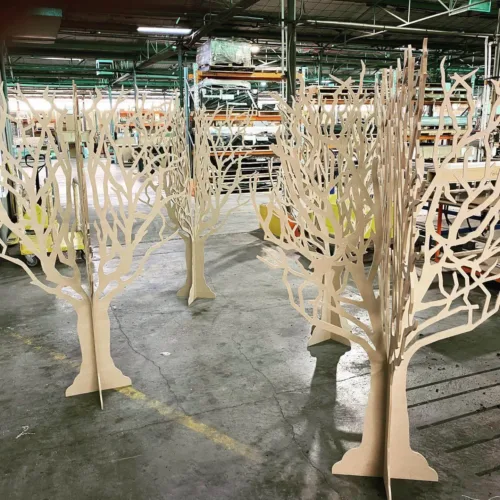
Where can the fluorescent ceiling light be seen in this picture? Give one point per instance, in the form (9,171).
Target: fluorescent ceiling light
(62,58)
(165,31)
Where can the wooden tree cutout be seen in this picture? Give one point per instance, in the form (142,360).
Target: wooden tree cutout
(217,174)
(333,238)
(129,202)
(398,105)
(378,179)
(475,192)
(53,212)
(47,216)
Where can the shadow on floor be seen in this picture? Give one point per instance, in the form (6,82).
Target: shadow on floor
(302,471)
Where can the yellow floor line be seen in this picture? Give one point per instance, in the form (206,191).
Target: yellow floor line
(164,410)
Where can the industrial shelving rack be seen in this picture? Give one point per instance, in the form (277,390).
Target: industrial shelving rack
(433,99)
(256,160)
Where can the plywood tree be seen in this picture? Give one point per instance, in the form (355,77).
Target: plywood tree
(449,279)
(127,177)
(315,164)
(327,211)
(53,219)
(47,224)
(398,105)
(217,174)
(380,188)
(333,234)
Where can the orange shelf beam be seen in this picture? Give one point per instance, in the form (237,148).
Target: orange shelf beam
(241,75)
(253,117)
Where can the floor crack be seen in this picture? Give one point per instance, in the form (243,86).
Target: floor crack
(163,376)
(294,439)
(287,422)
(223,408)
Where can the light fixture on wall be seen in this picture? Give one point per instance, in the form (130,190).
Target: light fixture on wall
(164,31)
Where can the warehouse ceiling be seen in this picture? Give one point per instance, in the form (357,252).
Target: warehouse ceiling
(64,42)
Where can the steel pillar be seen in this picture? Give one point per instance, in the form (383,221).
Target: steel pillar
(187,114)
(320,67)
(3,75)
(291,49)
(181,74)
(112,122)
(136,91)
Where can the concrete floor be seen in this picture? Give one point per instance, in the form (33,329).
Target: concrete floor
(239,408)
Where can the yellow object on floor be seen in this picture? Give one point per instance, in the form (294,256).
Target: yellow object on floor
(77,244)
(333,202)
(43,220)
(275,223)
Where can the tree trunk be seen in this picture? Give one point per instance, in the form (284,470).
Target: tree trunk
(318,334)
(385,447)
(110,376)
(401,461)
(196,286)
(368,458)
(200,288)
(184,291)
(86,380)
(97,368)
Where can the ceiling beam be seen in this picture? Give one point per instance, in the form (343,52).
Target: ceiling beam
(402,5)
(329,58)
(93,42)
(403,28)
(41,51)
(416,4)
(161,55)
(328,34)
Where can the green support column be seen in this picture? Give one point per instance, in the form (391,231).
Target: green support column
(291,50)
(320,66)
(136,91)
(3,74)
(187,114)
(181,74)
(10,202)
(112,123)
